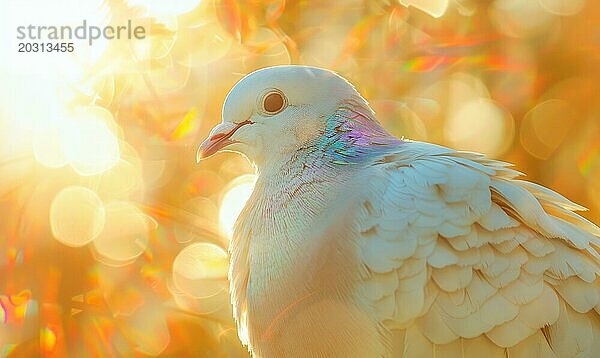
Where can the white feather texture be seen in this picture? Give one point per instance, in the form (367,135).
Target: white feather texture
(386,248)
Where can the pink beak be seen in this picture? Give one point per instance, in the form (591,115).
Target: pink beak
(218,139)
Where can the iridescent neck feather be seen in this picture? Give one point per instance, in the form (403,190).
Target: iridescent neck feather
(352,134)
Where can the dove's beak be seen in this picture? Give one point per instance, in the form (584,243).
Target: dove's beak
(218,139)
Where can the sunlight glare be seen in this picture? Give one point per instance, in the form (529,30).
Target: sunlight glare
(90,145)
(161,7)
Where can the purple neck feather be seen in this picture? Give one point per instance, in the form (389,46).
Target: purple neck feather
(353,135)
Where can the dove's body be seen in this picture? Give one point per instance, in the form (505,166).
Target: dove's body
(355,243)
(294,243)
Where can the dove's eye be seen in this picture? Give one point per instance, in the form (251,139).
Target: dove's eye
(273,102)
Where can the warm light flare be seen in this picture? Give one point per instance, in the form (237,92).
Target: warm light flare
(48,144)
(90,145)
(67,67)
(233,201)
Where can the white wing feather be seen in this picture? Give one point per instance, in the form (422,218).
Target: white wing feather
(465,260)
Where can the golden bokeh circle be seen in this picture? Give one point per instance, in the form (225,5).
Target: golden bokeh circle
(77,216)
(200,270)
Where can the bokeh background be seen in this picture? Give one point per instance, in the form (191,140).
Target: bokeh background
(113,240)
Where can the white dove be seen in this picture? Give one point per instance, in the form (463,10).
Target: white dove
(355,243)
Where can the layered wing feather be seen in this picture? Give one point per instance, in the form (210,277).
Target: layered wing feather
(462,259)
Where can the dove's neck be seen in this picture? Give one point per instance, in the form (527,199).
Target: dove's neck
(352,135)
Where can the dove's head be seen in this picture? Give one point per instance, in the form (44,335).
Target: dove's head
(275,112)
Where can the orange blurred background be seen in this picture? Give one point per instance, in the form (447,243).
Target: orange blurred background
(113,240)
